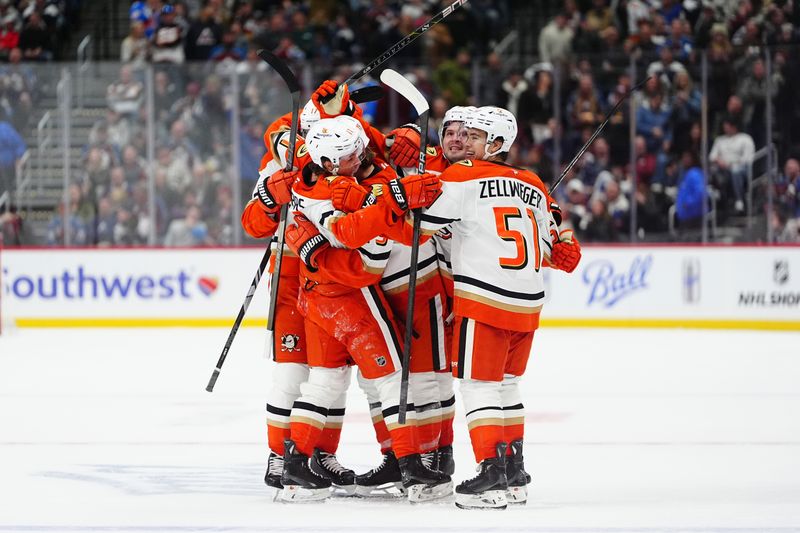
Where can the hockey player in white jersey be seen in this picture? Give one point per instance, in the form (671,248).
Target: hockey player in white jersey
(502,234)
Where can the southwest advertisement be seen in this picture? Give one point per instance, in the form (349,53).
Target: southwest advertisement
(751,287)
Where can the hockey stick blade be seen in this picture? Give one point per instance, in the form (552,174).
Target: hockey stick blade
(399,83)
(370,93)
(281,68)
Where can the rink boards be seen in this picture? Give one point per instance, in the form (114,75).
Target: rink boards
(737,287)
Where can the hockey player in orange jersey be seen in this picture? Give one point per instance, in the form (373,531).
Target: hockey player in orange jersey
(430,375)
(289,342)
(348,318)
(502,233)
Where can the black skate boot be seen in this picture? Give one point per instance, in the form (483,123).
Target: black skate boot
(422,483)
(487,490)
(300,483)
(518,478)
(444,460)
(274,471)
(327,465)
(383,481)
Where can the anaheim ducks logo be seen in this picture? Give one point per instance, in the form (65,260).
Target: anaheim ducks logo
(430,150)
(290,342)
(465,162)
(302,151)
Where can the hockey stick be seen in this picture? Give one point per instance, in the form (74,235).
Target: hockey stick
(294,87)
(370,93)
(404,87)
(596,133)
(399,45)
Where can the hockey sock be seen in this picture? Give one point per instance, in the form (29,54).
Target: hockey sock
(513,410)
(404,436)
(310,411)
(448,401)
(428,409)
(286,380)
(332,432)
(376,413)
(484,413)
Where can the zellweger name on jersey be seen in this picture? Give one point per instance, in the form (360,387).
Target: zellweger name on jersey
(503,187)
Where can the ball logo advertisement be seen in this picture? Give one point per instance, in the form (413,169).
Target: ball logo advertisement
(608,283)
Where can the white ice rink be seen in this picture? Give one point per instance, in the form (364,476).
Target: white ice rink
(627,430)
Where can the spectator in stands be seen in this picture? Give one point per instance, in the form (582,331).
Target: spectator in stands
(118,189)
(133,166)
(18,91)
(220,221)
(652,123)
(584,108)
(203,35)
(599,17)
(78,232)
(34,39)
(678,41)
(11,226)
(576,203)
(164,96)
(125,96)
(9,35)
(176,170)
(787,188)
(730,157)
(598,226)
(645,160)
(135,47)
(555,40)
(105,222)
(188,231)
(228,49)
(12,148)
(691,193)
(145,12)
(452,78)
(753,91)
(126,232)
(666,69)
(542,105)
(168,39)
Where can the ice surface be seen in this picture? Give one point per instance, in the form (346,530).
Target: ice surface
(627,430)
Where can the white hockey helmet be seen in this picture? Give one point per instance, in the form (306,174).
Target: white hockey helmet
(496,122)
(308,117)
(336,138)
(454,114)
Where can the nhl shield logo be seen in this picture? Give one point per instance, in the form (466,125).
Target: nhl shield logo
(380,360)
(289,343)
(780,272)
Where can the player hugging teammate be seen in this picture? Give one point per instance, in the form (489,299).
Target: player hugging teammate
(488,230)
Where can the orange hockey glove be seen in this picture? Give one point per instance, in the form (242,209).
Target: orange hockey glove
(276,190)
(403,143)
(566,252)
(348,196)
(305,240)
(339,103)
(411,192)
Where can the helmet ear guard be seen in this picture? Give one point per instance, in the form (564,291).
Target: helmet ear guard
(498,123)
(308,117)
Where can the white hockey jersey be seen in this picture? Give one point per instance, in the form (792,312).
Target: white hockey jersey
(500,222)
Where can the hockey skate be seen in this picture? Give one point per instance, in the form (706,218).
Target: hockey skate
(444,460)
(487,490)
(518,478)
(422,483)
(383,481)
(274,471)
(327,465)
(300,483)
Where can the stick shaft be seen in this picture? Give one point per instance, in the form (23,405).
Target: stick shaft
(595,134)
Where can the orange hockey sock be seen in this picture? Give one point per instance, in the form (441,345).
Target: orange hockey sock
(332,432)
(484,441)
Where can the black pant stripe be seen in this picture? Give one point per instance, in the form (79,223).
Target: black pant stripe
(385,317)
(462,342)
(310,407)
(434,319)
(278,410)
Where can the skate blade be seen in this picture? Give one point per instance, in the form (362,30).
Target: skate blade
(426,493)
(489,500)
(343,491)
(517,495)
(386,490)
(297,494)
